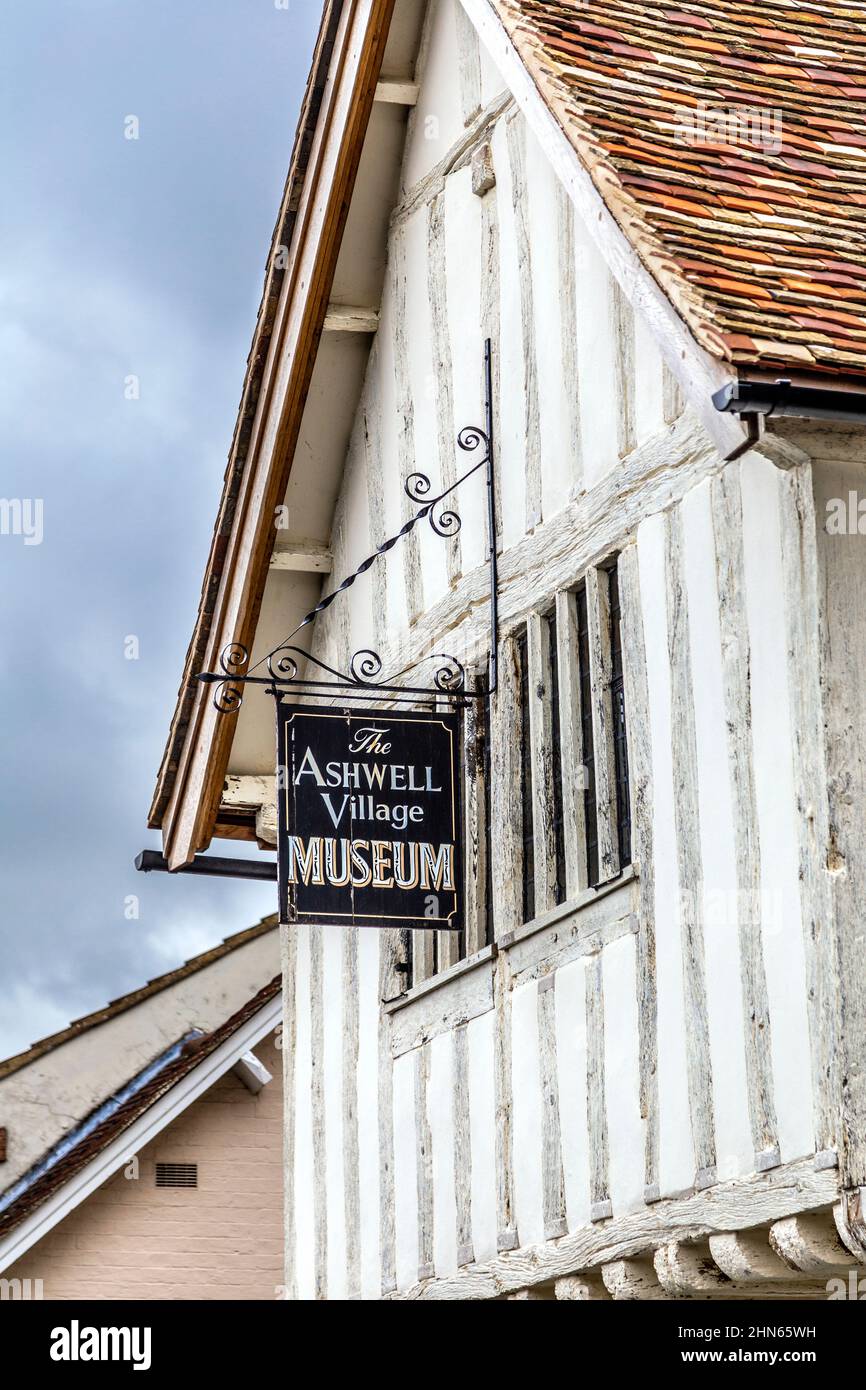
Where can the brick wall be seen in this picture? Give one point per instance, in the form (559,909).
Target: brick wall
(223,1239)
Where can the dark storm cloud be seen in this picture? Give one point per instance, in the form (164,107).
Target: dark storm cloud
(119,258)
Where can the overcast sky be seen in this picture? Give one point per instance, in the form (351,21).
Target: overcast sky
(119,258)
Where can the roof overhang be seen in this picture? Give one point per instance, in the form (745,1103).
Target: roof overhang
(288,359)
(337,108)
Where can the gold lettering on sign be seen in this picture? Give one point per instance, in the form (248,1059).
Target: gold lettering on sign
(382,863)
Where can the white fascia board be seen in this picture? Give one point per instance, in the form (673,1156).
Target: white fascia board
(140,1133)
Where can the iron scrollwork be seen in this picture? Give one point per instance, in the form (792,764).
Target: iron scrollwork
(284,662)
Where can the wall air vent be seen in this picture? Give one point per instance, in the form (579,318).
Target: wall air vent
(177,1175)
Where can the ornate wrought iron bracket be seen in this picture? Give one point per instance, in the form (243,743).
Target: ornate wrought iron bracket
(362,680)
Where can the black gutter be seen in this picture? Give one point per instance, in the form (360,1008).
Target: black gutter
(265,870)
(782,397)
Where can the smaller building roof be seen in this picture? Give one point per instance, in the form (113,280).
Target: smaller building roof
(138,1095)
(137,996)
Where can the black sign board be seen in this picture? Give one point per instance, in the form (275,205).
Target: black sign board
(368,812)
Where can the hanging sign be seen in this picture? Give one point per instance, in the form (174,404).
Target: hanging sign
(368,817)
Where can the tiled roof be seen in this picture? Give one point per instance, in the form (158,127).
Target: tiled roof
(136,996)
(192,1055)
(728,138)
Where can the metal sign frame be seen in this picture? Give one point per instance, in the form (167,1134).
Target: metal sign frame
(382,851)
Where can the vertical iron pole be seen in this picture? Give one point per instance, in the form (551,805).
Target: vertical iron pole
(491,519)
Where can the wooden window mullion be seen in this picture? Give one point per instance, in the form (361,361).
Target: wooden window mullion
(540,685)
(571,746)
(598,614)
(505,828)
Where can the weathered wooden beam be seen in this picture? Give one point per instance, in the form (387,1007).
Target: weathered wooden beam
(424,1164)
(598,617)
(391,91)
(352,1195)
(640,775)
(596,1110)
(553,1179)
(581,1288)
(350,318)
(810,1243)
(689,1271)
(748,1258)
(631,1281)
(570,745)
(289,962)
(687,819)
(728,531)
(540,686)
(303,557)
(317,1100)
(462,1148)
(256,795)
(390,956)
(760,1198)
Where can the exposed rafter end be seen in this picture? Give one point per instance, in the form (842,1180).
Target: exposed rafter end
(350,318)
(303,556)
(396,93)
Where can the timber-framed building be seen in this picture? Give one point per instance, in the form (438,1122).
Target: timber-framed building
(639,1070)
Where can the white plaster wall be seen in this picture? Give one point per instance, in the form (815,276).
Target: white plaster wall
(571,1078)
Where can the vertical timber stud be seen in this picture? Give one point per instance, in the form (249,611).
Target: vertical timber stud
(507,852)
(688,836)
(317,1047)
(351,1136)
(289,953)
(728,529)
(437,291)
(424,1163)
(805,637)
(596,1110)
(541,755)
(598,614)
(640,774)
(570,743)
(390,953)
(552,1176)
(462,1147)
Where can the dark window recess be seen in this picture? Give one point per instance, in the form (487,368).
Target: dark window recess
(526,784)
(620,744)
(406,967)
(588,747)
(556,763)
(3,1139)
(177,1175)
